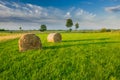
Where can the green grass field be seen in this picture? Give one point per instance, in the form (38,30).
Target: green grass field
(80,56)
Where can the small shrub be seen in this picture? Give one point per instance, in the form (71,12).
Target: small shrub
(108,30)
(105,30)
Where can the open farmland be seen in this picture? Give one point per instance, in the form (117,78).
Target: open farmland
(80,56)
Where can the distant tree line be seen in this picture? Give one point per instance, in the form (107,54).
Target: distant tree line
(2,30)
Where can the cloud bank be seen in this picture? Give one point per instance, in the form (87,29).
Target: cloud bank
(19,14)
(29,16)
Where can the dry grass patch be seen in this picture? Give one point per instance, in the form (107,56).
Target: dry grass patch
(10,36)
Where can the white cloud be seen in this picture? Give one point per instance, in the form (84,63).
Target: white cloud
(68,15)
(80,13)
(22,10)
(113,9)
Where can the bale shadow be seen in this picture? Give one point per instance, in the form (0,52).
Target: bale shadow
(79,44)
(85,40)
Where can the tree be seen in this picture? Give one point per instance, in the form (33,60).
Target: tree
(20,28)
(76,26)
(109,30)
(43,27)
(103,30)
(69,23)
(2,29)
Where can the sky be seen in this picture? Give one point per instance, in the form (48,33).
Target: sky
(30,14)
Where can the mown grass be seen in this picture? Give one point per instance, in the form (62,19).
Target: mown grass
(80,56)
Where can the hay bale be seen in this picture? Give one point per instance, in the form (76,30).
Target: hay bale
(29,41)
(54,37)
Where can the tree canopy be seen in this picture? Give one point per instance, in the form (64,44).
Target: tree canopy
(43,27)
(69,23)
(76,26)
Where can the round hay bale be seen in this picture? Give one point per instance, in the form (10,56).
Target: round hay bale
(54,37)
(29,41)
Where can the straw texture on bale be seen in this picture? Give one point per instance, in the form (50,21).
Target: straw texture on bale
(54,37)
(29,41)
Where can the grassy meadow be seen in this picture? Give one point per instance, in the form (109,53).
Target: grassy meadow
(80,56)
